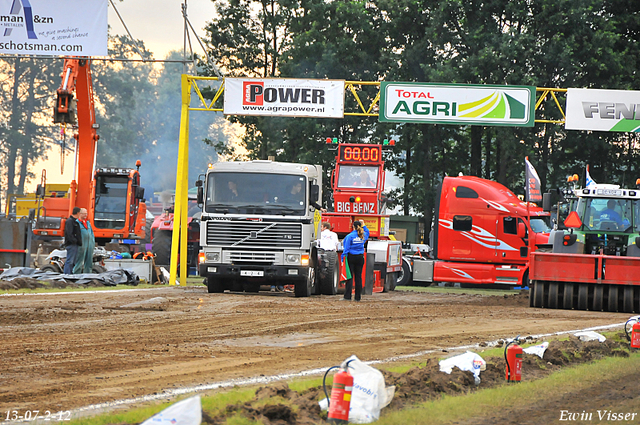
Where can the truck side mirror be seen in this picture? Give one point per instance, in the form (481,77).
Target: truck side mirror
(139,192)
(546,202)
(314,193)
(522,230)
(200,193)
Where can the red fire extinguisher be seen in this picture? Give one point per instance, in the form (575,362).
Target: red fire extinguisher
(513,357)
(340,400)
(634,338)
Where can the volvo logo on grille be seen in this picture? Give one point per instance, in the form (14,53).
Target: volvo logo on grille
(253,235)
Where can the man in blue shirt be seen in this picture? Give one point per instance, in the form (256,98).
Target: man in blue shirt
(610,214)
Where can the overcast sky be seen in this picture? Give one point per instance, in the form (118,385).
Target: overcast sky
(159,22)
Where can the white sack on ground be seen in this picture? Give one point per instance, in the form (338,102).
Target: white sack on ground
(590,336)
(537,350)
(468,361)
(185,412)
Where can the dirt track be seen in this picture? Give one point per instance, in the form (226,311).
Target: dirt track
(64,351)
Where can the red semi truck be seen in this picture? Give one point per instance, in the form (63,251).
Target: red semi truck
(482,234)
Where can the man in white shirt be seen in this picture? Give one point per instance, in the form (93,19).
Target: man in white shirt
(328,239)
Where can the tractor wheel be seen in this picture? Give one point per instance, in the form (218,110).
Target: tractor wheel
(583,297)
(162,247)
(404,276)
(553,295)
(598,295)
(627,299)
(304,288)
(568,296)
(612,305)
(214,286)
(97,268)
(51,268)
(539,295)
(390,282)
(328,281)
(147,232)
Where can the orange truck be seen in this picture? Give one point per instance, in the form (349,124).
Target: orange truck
(113,197)
(482,234)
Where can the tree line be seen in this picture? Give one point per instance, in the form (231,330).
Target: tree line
(542,43)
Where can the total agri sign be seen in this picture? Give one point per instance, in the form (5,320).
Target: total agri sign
(603,110)
(461,104)
(284,97)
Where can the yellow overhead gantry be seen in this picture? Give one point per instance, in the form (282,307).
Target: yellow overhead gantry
(366,95)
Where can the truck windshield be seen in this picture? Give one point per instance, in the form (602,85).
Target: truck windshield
(256,193)
(111,201)
(613,214)
(357,176)
(540,224)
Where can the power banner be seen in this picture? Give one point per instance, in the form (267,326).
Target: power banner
(47,27)
(284,97)
(460,104)
(533,193)
(603,110)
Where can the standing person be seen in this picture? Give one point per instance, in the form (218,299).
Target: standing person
(328,239)
(354,253)
(84,258)
(72,240)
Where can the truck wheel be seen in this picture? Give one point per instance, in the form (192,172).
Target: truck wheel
(404,276)
(161,247)
(305,288)
(390,282)
(328,281)
(147,231)
(214,286)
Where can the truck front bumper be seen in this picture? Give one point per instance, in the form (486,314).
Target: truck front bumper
(267,273)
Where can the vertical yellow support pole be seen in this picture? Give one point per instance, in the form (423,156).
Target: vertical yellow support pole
(180,207)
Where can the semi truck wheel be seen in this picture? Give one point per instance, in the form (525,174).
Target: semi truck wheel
(539,295)
(330,277)
(404,276)
(305,287)
(214,285)
(161,247)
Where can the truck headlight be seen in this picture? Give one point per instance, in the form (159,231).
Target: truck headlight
(213,256)
(292,258)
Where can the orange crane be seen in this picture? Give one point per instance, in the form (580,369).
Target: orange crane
(113,197)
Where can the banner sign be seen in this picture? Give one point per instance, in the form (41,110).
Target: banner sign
(60,27)
(603,110)
(533,193)
(282,97)
(462,104)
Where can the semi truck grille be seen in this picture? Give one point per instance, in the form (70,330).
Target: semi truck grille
(250,256)
(254,234)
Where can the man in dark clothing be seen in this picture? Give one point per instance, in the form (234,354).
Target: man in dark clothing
(72,240)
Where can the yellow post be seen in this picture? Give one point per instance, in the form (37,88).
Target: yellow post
(180,207)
